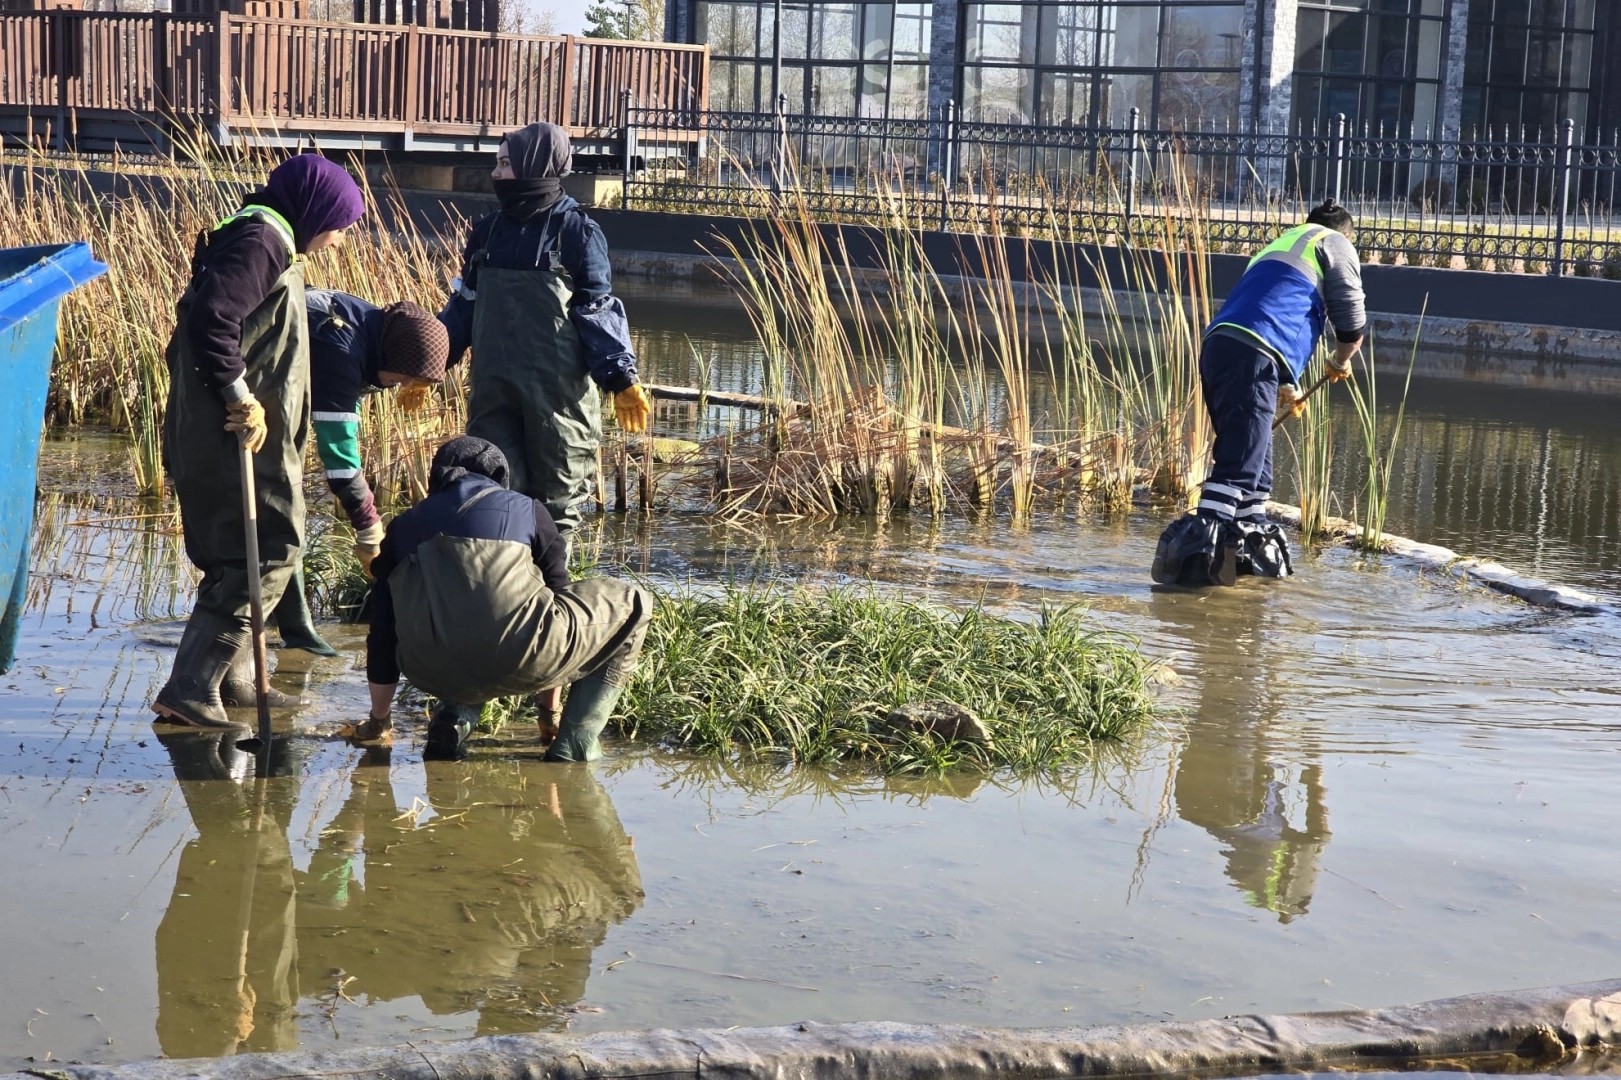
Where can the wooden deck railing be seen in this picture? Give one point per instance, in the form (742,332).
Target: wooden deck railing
(311,77)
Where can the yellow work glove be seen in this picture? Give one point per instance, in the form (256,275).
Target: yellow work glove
(632,407)
(1291,402)
(1336,369)
(414,395)
(368,542)
(247,417)
(372,731)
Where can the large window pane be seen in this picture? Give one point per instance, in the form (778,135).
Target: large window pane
(835,32)
(1121,93)
(1189,99)
(1135,38)
(833,90)
(997,93)
(1066,98)
(1202,37)
(875,26)
(795,32)
(995,32)
(912,31)
(1069,36)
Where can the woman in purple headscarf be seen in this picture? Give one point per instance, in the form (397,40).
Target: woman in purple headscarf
(239,369)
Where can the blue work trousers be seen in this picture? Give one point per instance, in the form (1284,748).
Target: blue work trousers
(1240,383)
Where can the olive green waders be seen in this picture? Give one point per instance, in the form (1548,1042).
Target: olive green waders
(476,621)
(204,466)
(531,393)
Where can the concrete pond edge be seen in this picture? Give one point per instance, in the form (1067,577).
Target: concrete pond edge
(1484,572)
(1540,1026)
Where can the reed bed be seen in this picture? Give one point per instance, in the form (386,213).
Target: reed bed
(888,387)
(811,676)
(110,367)
(896,389)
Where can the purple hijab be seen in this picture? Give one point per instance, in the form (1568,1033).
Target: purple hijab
(316,194)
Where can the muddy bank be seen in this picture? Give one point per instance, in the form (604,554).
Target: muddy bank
(1539,1026)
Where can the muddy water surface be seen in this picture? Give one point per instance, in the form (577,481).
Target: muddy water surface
(1378,786)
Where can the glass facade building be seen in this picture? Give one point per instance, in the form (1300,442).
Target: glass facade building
(1397,65)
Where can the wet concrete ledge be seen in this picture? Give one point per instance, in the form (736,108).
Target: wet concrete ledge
(1538,1025)
(1484,572)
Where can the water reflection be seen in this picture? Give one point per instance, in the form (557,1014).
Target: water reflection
(226,948)
(488,896)
(1244,774)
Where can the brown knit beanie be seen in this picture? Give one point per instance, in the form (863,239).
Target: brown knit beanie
(415,343)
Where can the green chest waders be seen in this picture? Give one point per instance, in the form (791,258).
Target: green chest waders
(203,462)
(532,394)
(202,456)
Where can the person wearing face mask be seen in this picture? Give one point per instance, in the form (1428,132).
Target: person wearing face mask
(357,348)
(239,372)
(535,302)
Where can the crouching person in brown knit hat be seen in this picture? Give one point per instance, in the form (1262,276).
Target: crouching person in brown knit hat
(357,348)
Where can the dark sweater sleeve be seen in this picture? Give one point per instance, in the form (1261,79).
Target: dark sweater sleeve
(382,642)
(549,550)
(1342,287)
(598,316)
(237,272)
(457,314)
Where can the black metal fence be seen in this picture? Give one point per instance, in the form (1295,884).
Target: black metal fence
(1532,202)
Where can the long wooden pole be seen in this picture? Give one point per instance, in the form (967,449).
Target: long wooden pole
(256,602)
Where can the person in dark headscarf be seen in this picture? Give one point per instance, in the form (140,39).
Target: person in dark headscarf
(239,370)
(473,601)
(535,302)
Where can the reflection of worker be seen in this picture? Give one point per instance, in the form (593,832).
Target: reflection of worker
(472,601)
(388,903)
(239,367)
(535,302)
(1263,338)
(1234,776)
(226,948)
(357,347)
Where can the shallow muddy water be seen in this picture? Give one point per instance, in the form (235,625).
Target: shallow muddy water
(1376,786)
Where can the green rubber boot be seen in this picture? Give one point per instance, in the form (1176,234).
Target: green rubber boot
(590,703)
(191,697)
(236,689)
(292,617)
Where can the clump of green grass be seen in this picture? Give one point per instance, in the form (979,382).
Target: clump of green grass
(809,677)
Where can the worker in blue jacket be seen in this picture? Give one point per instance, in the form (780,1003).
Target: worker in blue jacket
(356,349)
(1254,355)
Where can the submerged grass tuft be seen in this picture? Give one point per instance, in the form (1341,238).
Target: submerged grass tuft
(809,677)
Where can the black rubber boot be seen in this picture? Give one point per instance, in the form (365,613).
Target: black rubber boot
(590,703)
(191,697)
(448,731)
(1263,550)
(292,617)
(236,689)
(1197,550)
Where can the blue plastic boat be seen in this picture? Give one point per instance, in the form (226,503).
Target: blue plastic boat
(33,281)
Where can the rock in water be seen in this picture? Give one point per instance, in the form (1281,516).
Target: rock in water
(942,719)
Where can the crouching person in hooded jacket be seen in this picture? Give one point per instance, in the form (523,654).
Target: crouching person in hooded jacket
(473,601)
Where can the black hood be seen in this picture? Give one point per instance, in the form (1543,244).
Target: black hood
(467,454)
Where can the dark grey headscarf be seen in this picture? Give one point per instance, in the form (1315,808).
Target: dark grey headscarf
(467,454)
(540,155)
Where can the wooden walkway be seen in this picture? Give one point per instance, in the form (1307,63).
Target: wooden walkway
(93,80)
